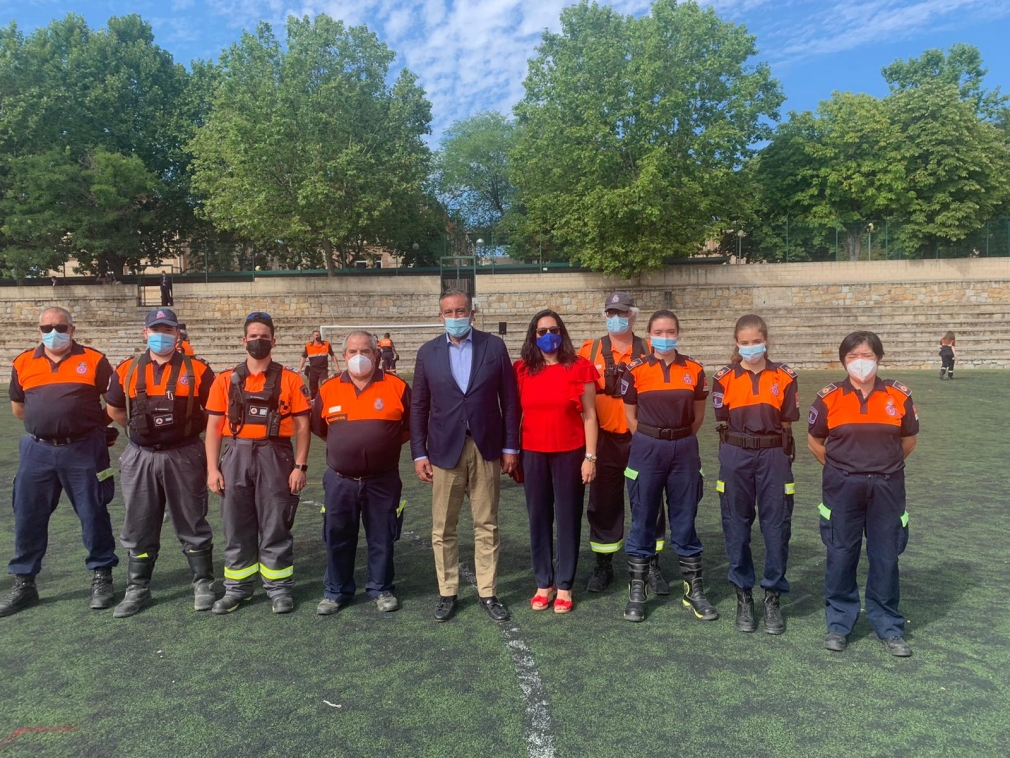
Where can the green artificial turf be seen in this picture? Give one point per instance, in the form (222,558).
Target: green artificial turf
(173,682)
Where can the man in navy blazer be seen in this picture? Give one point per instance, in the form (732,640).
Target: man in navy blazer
(464,431)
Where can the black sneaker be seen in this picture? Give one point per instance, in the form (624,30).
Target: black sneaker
(101,589)
(22,595)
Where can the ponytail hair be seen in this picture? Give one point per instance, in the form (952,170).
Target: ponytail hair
(750,321)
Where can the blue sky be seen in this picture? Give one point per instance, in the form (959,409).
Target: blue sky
(471,56)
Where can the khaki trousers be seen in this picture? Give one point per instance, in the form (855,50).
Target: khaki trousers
(480,480)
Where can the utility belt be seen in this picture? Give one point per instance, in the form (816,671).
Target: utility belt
(364,478)
(60,441)
(783,440)
(661,433)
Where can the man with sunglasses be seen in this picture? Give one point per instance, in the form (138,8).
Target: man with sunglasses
(260,406)
(158,397)
(464,431)
(56,389)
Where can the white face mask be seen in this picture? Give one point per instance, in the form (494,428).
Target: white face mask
(861,369)
(359,365)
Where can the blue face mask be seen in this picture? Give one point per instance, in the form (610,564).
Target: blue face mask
(751,353)
(160,344)
(663,345)
(55,341)
(549,343)
(457,327)
(618,324)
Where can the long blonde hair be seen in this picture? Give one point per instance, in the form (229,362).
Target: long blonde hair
(750,321)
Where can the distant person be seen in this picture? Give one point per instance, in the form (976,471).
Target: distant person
(57,389)
(557,402)
(260,406)
(755,403)
(318,353)
(55,280)
(389,354)
(862,429)
(166,290)
(364,416)
(947,355)
(159,397)
(464,432)
(183,345)
(664,399)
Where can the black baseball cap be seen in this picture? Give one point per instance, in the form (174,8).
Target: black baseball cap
(162,316)
(619,301)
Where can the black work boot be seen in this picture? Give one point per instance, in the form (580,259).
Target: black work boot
(603,573)
(638,590)
(694,589)
(657,584)
(943,372)
(138,592)
(101,589)
(22,595)
(774,624)
(744,611)
(202,564)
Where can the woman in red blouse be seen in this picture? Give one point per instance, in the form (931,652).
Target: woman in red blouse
(557,398)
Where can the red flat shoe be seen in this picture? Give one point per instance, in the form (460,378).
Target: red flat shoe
(543,602)
(562,606)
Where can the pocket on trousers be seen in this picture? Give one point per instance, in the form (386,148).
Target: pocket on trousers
(701,485)
(903,533)
(827,532)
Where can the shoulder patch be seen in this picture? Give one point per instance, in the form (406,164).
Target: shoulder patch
(788,370)
(722,372)
(827,390)
(899,386)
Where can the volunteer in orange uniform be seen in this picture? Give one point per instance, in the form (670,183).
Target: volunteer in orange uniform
(388,354)
(56,389)
(862,429)
(318,352)
(557,400)
(755,402)
(364,416)
(664,399)
(612,354)
(260,405)
(164,463)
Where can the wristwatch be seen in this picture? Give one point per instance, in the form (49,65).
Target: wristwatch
(301,467)
(591,457)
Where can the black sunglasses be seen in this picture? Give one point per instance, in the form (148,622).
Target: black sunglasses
(259,314)
(552,329)
(61,328)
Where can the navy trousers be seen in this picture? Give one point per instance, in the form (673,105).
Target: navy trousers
(855,504)
(764,477)
(656,467)
(554,491)
(45,471)
(349,502)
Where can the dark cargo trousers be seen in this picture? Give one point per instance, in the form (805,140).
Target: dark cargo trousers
(45,471)
(258,510)
(155,479)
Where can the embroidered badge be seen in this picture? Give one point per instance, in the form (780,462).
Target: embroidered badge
(334,409)
(891,410)
(776,390)
(184,380)
(812,416)
(379,405)
(82,368)
(717,398)
(688,380)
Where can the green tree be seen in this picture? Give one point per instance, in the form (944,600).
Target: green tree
(632,131)
(307,144)
(957,166)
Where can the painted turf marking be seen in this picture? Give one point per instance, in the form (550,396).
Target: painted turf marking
(538,725)
(33,730)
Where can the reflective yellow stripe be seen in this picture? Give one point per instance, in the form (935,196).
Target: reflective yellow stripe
(403,504)
(606,547)
(790,488)
(241,573)
(660,544)
(702,472)
(904,518)
(720,485)
(142,555)
(825,511)
(322,509)
(630,473)
(277,573)
(107,474)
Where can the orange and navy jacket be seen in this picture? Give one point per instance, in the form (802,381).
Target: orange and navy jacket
(293,401)
(156,383)
(609,410)
(386,345)
(755,403)
(364,429)
(863,434)
(61,399)
(317,354)
(665,395)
